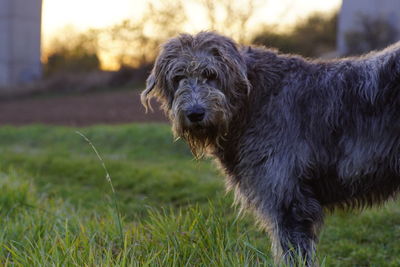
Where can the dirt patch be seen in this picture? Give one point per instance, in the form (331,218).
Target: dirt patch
(111,107)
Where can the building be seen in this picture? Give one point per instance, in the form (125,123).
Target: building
(20,33)
(352,12)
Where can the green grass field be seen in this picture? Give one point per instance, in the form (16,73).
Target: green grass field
(58,209)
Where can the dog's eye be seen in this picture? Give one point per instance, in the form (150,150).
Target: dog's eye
(177,79)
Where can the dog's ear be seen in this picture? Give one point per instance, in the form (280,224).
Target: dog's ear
(234,60)
(244,81)
(227,51)
(146,95)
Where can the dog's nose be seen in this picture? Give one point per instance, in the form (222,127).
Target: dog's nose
(196,113)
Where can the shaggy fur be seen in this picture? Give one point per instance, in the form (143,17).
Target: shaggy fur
(294,136)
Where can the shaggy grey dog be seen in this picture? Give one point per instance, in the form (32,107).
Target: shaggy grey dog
(294,136)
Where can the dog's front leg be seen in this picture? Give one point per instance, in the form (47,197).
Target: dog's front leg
(290,214)
(294,226)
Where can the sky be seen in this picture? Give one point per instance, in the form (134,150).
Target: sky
(82,15)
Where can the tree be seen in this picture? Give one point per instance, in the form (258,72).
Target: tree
(311,37)
(136,42)
(230,17)
(73,52)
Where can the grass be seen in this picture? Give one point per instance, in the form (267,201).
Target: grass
(57,209)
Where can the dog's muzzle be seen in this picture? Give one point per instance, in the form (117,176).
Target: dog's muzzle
(196,113)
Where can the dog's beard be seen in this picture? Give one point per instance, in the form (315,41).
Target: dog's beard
(201,137)
(207,134)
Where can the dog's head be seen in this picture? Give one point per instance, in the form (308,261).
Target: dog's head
(200,81)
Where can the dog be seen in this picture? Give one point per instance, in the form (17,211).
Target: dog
(295,137)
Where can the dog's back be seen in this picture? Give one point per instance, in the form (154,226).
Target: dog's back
(341,119)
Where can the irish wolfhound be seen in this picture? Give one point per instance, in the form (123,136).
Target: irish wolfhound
(294,136)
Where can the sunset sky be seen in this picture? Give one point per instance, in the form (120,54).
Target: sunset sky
(84,14)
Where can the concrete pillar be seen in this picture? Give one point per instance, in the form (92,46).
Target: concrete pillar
(352,9)
(20,29)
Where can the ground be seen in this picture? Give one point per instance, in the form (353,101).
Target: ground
(118,106)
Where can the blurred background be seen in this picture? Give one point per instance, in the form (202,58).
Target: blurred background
(79,65)
(68,49)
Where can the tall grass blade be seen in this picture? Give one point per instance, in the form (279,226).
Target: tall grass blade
(108,178)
